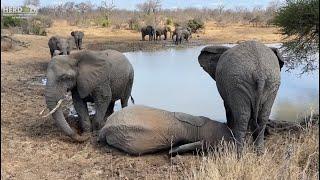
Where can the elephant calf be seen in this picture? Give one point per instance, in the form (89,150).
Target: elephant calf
(102,77)
(140,129)
(248,78)
(59,43)
(78,36)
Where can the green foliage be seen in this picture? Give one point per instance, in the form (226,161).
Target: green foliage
(134,24)
(195,24)
(169,22)
(299,21)
(11,21)
(102,21)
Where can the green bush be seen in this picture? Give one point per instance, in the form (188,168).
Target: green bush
(134,24)
(299,21)
(195,24)
(11,21)
(169,22)
(101,21)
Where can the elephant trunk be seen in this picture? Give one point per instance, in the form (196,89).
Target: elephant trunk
(52,97)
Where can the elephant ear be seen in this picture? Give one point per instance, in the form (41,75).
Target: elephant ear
(209,57)
(279,56)
(92,70)
(72,33)
(187,118)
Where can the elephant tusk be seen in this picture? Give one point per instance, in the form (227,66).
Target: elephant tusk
(54,109)
(42,111)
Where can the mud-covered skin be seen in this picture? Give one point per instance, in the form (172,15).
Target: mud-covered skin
(140,129)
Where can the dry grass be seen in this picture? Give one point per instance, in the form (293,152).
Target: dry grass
(288,156)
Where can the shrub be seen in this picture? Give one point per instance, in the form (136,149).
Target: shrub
(299,21)
(169,22)
(134,24)
(101,21)
(11,21)
(195,24)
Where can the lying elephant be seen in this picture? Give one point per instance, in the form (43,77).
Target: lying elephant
(140,129)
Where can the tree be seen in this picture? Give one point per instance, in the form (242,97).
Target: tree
(107,8)
(150,6)
(32,2)
(299,22)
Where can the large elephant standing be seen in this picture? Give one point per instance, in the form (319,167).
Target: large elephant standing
(148,30)
(140,129)
(59,43)
(248,78)
(78,36)
(162,31)
(100,77)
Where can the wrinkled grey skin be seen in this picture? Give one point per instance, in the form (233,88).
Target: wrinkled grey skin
(148,30)
(140,130)
(162,31)
(78,36)
(59,43)
(182,34)
(101,77)
(174,33)
(248,78)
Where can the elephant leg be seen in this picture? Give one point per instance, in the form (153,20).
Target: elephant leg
(241,112)
(263,117)
(228,115)
(110,109)
(102,98)
(82,110)
(124,102)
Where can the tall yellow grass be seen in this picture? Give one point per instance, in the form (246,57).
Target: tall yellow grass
(287,156)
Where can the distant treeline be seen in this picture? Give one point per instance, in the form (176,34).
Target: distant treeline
(150,12)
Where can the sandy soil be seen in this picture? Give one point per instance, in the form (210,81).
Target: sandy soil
(34,148)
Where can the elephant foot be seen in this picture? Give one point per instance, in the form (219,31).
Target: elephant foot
(82,138)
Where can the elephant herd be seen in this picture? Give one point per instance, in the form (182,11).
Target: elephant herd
(180,33)
(247,77)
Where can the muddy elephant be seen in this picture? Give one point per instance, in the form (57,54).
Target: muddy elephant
(78,36)
(140,130)
(59,43)
(102,77)
(148,30)
(248,78)
(182,34)
(162,31)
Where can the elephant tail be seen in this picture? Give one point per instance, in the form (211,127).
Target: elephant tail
(132,100)
(260,87)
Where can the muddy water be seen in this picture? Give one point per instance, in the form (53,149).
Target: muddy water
(173,80)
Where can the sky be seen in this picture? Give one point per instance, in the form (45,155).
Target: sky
(166,4)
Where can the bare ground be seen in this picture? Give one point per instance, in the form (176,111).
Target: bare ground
(34,148)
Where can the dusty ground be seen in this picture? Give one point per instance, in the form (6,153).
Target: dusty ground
(34,148)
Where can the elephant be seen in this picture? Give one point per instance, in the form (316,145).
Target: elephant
(162,31)
(182,34)
(78,36)
(174,33)
(59,43)
(102,77)
(148,30)
(248,78)
(140,129)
